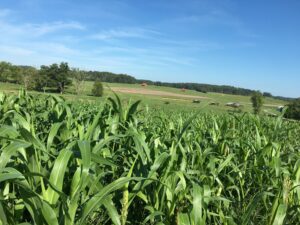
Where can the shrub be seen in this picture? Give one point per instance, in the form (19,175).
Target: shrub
(97,89)
(293,110)
(257,102)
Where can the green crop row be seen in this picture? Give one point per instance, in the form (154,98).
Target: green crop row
(113,163)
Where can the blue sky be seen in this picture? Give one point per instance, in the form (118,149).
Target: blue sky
(251,44)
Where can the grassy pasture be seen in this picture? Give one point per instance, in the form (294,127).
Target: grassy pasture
(156,101)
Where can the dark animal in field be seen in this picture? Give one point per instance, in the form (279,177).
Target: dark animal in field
(196,101)
(214,103)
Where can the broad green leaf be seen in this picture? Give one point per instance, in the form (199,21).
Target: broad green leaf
(96,201)
(57,175)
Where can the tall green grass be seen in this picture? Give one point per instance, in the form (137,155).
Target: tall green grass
(116,164)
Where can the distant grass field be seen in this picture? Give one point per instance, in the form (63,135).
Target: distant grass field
(157,101)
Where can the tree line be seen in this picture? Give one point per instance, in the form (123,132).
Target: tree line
(55,76)
(59,76)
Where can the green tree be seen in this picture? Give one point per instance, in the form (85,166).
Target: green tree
(97,89)
(27,76)
(57,76)
(15,74)
(293,110)
(257,101)
(40,82)
(5,71)
(267,94)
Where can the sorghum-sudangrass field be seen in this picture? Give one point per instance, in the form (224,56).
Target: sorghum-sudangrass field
(78,163)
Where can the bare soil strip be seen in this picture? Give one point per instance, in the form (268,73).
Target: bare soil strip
(145,91)
(266,105)
(176,99)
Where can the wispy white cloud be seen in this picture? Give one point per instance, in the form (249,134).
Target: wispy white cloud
(55,48)
(10,28)
(45,28)
(147,56)
(193,45)
(212,17)
(36,30)
(35,42)
(14,50)
(219,17)
(44,42)
(129,32)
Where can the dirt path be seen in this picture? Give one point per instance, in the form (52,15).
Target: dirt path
(266,105)
(145,91)
(177,99)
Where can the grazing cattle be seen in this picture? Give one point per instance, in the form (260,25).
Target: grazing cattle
(144,84)
(214,103)
(196,101)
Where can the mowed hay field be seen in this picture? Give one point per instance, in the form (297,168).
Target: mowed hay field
(163,97)
(108,162)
